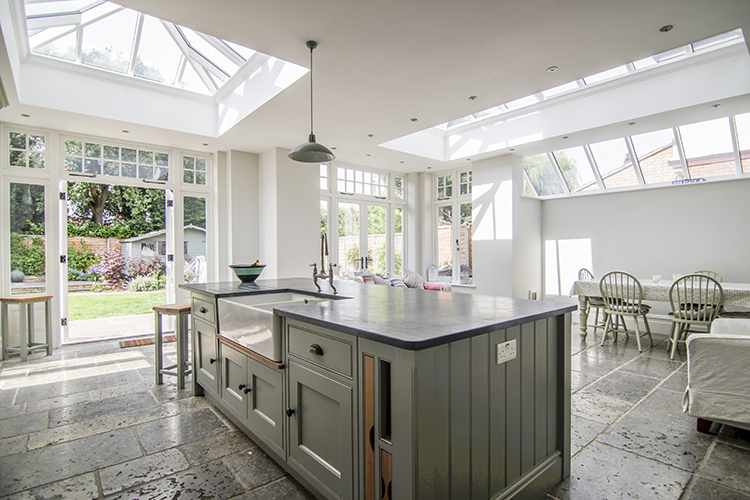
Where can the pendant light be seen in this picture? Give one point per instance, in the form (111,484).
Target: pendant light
(311,152)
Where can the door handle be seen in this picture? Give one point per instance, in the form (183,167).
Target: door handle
(289,412)
(316,349)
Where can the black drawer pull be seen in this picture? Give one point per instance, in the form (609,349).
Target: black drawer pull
(212,360)
(247,389)
(316,349)
(203,310)
(241,386)
(289,412)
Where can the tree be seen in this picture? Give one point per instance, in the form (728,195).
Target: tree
(195,211)
(26,208)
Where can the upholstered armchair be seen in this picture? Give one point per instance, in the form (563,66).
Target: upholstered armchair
(718,376)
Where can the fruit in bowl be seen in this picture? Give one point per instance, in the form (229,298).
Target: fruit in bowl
(247,273)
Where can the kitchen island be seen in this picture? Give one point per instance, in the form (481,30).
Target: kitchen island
(397,393)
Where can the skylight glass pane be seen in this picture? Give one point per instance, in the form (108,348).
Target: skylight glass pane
(708,148)
(671,55)
(244,52)
(542,175)
(191,81)
(522,102)
(209,52)
(606,75)
(645,63)
(714,41)
(614,163)
(743,134)
(657,156)
(560,89)
(107,43)
(62,48)
(45,36)
(158,56)
(576,169)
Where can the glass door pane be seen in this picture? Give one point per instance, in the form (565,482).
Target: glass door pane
(116,260)
(398,229)
(194,239)
(445,241)
(465,244)
(377,238)
(27,245)
(349,238)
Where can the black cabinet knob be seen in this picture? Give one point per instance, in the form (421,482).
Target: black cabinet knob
(241,386)
(316,349)
(289,412)
(212,360)
(203,310)
(247,389)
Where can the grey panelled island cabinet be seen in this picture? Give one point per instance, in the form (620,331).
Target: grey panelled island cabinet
(393,393)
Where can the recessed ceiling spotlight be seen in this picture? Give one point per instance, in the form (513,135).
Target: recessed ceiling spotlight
(25,115)
(552,69)
(666,27)
(429,168)
(367,154)
(414,119)
(334,147)
(125,131)
(472,98)
(714,106)
(205,144)
(631,123)
(565,136)
(512,149)
(369,135)
(468,159)
(401,161)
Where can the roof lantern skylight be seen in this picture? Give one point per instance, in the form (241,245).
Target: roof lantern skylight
(662,58)
(106,36)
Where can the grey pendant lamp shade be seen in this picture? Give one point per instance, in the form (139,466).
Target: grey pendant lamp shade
(311,152)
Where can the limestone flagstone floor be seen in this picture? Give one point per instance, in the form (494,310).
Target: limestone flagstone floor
(89,423)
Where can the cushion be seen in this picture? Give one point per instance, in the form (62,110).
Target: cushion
(436,285)
(380,280)
(413,279)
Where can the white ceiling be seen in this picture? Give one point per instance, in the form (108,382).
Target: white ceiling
(380,64)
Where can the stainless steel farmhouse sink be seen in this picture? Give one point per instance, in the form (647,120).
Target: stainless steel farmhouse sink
(249,320)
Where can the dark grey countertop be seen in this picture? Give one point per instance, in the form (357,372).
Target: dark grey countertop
(402,317)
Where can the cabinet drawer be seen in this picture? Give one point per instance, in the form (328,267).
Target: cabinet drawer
(204,309)
(331,353)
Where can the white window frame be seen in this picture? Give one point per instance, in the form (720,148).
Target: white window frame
(455,200)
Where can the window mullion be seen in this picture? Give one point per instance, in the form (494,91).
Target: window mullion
(634,161)
(594,167)
(681,152)
(136,43)
(735,144)
(558,171)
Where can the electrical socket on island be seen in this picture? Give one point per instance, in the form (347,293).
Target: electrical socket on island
(506,351)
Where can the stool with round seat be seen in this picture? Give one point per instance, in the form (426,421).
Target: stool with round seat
(183,366)
(26,324)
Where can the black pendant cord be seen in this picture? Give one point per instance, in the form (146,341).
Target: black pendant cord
(312,47)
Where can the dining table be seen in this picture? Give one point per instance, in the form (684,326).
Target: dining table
(735,295)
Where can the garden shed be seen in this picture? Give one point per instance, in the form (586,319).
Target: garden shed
(153,243)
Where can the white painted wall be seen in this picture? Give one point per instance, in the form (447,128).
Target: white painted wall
(243,213)
(675,229)
(289,214)
(527,238)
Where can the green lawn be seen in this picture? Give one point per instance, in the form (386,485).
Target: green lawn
(106,304)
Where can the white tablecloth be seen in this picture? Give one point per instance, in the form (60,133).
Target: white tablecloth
(735,294)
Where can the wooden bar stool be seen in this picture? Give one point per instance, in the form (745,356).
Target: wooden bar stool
(26,324)
(183,367)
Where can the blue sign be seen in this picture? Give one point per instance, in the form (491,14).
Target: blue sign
(689,181)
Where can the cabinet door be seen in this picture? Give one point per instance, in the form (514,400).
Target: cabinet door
(234,379)
(320,430)
(266,400)
(206,365)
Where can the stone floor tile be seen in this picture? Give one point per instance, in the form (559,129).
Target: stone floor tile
(88,411)
(54,389)
(169,392)
(592,365)
(579,380)
(71,432)
(12,411)
(707,490)
(147,414)
(619,352)
(11,446)
(58,402)
(651,367)
(81,487)
(62,461)
(729,466)
(209,481)
(142,470)
(598,407)
(23,424)
(286,488)
(7,396)
(254,468)
(218,446)
(602,472)
(583,431)
(178,430)
(623,385)
(676,382)
(118,390)
(677,445)
(665,406)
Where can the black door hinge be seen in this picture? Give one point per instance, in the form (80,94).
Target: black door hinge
(63,196)
(170,203)
(63,259)
(63,321)
(170,257)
